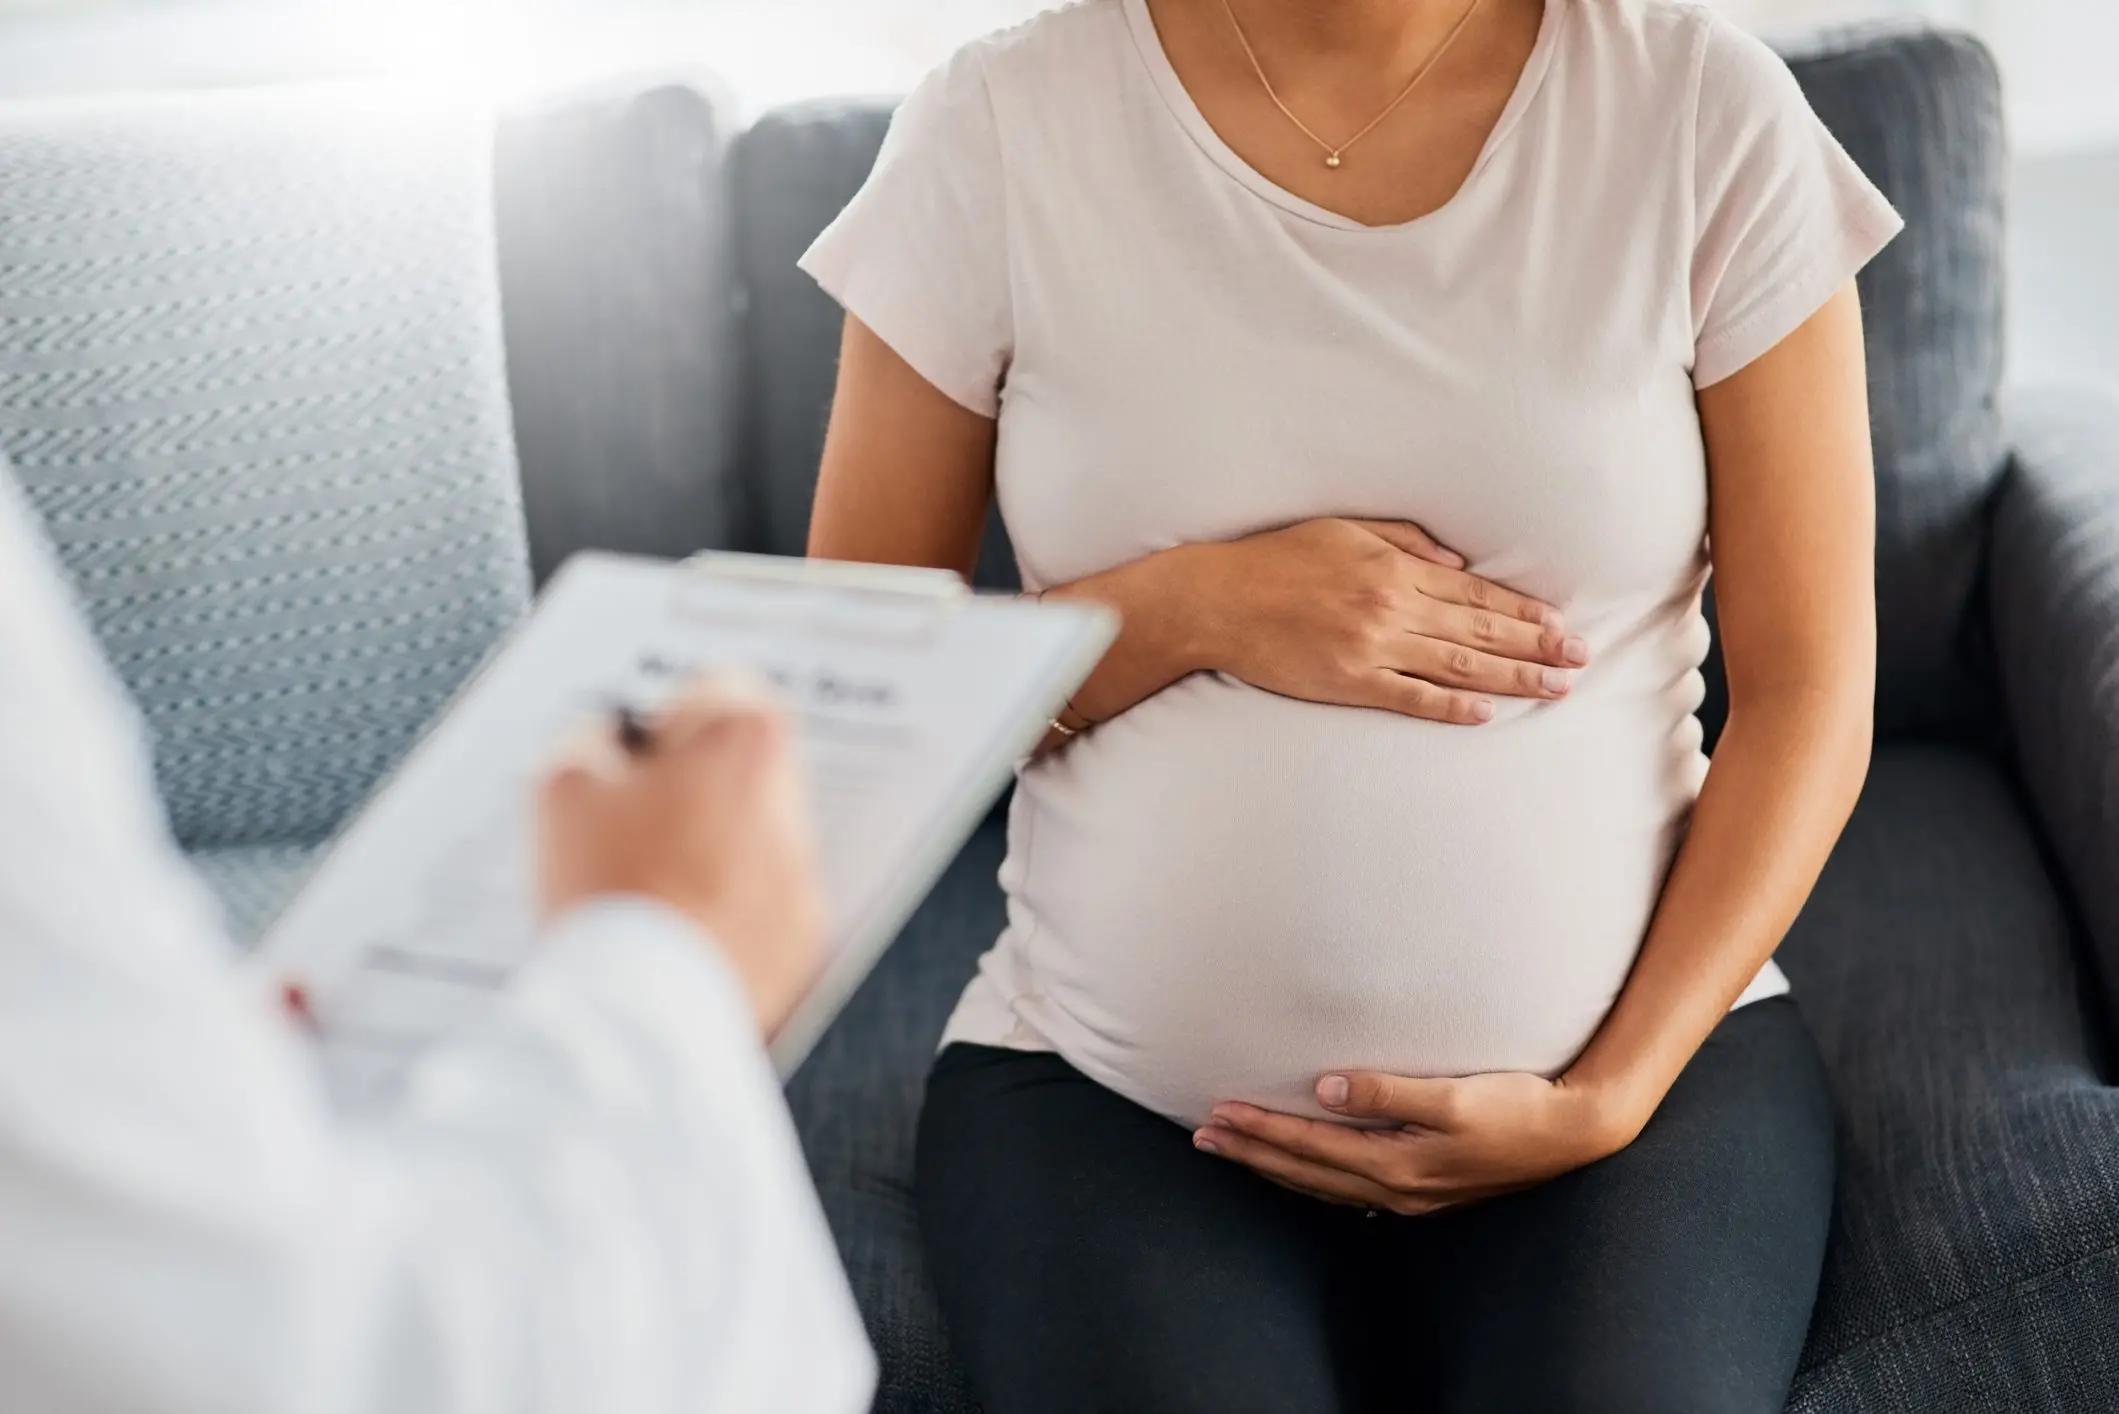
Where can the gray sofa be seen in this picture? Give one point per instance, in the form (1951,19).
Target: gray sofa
(669,373)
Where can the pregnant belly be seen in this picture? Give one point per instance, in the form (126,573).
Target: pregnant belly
(1224,894)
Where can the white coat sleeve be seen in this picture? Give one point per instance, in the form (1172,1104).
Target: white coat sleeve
(595,1204)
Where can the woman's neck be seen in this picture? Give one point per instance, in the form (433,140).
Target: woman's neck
(1392,34)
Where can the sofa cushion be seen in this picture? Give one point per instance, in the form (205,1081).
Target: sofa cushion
(251,375)
(2054,605)
(857,1103)
(789,175)
(619,298)
(1974,1263)
(252,882)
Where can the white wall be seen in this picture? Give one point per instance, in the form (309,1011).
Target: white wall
(2063,272)
(2060,61)
(2061,57)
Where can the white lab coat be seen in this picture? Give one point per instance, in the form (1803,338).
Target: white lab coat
(596,1204)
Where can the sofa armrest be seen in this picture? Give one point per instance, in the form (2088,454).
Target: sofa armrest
(2055,606)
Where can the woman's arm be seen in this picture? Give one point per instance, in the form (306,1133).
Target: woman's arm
(1793,532)
(907,479)
(907,475)
(1792,525)
(1357,613)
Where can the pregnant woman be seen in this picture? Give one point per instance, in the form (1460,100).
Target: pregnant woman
(1386,1017)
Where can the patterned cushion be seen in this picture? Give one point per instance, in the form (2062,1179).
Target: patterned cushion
(250,372)
(252,882)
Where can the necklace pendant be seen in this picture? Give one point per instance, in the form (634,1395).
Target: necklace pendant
(1331,159)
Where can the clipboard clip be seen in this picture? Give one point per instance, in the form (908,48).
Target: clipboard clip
(914,580)
(896,604)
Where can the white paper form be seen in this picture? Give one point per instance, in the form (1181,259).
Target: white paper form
(911,708)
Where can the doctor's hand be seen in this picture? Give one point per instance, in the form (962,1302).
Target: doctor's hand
(1363,613)
(1449,1141)
(705,813)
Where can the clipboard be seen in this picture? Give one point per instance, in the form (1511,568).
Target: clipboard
(913,702)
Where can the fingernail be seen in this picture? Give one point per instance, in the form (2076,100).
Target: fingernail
(1333,1090)
(1453,559)
(1483,710)
(1575,651)
(1555,680)
(1204,1144)
(1552,620)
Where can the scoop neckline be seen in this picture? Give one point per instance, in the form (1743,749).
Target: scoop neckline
(1178,99)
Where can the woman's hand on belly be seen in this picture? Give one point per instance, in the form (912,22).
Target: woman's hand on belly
(1342,612)
(1373,614)
(1446,1142)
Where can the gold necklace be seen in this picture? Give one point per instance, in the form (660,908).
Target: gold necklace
(1333,154)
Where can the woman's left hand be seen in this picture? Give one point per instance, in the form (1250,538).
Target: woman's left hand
(1452,1141)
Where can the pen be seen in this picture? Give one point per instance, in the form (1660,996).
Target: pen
(633,733)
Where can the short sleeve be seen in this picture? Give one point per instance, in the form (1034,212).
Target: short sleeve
(920,255)
(1784,218)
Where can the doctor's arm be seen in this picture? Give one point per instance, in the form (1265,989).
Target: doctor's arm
(597,1203)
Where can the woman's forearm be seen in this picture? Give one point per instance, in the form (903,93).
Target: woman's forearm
(1784,780)
(1368,614)
(1791,525)
(1166,631)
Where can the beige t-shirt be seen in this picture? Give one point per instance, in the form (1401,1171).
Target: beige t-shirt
(1223,893)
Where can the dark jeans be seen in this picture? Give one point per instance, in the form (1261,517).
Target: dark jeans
(1088,1258)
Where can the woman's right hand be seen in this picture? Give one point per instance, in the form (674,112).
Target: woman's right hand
(1362,613)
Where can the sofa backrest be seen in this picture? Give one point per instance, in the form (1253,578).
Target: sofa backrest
(622,312)
(1918,108)
(789,175)
(251,376)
